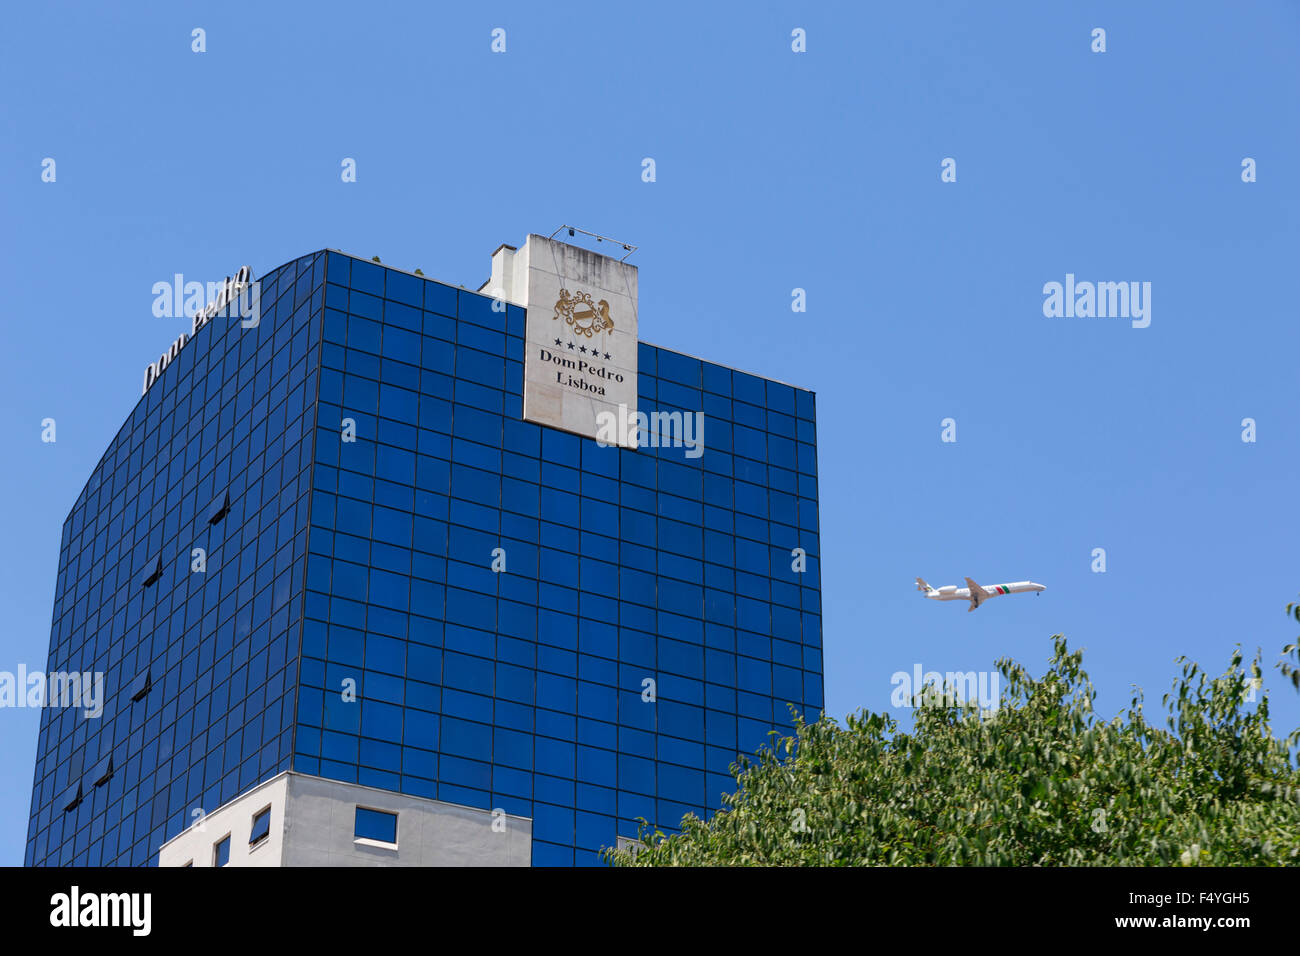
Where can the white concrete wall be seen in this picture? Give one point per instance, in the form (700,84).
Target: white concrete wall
(199,841)
(429,832)
(313,824)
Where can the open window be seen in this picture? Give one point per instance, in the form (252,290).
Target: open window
(220,509)
(141,685)
(102,772)
(261,827)
(71,798)
(155,574)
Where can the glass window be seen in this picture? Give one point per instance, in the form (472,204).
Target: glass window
(378,825)
(261,826)
(221,851)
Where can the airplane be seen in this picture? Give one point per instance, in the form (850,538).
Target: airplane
(974,593)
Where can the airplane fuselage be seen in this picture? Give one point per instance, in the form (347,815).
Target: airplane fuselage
(975,593)
(953,593)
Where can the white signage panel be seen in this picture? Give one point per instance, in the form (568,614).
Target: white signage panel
(580,340)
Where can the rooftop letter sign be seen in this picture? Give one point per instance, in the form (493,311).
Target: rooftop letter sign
(238,295)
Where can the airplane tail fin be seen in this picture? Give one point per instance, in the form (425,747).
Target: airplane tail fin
(922,586)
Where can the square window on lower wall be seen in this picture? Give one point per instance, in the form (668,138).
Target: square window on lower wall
(261,826)
(377,825)
(221,851)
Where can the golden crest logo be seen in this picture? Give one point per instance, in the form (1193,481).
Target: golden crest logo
(582,315)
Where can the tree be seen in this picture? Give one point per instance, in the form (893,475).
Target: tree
(1039,781)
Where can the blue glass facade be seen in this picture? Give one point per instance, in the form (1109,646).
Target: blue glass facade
(217,649)
(648,625)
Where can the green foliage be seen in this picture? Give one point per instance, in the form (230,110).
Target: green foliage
(1040,781)
(1291,669)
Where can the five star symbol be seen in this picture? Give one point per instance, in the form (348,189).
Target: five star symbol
(595,352)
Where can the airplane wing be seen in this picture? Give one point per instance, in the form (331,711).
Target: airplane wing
(977,594)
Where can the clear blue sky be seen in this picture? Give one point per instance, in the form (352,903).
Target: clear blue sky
(775,170)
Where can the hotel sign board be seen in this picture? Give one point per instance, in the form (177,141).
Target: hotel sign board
(580,365)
